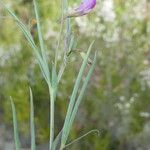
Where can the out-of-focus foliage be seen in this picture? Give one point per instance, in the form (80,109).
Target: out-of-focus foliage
(118,98)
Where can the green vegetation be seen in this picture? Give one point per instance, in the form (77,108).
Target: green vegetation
(117,98)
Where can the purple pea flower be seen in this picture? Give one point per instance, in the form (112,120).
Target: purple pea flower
(84,8)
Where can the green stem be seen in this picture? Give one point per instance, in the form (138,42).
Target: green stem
(62,147)
(52,101)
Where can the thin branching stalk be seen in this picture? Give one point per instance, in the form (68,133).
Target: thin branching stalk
(81,137)
(32,127)
(52,103)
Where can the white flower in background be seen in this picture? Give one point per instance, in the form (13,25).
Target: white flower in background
(140,10)
(82,24)
(145,114)
(107,11)
(85,26)
(145,78)
(6,55)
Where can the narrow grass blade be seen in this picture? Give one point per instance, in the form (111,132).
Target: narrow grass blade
(74,94)
(57,141)
(81,137)
(42,46)
(39,27)
(32,127)
(16,133)
(79,99)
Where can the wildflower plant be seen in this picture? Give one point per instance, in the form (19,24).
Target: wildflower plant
(53,74)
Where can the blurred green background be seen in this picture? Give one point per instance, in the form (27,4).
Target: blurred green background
(117,101)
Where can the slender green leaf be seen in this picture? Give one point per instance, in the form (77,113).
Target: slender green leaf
(79,99)
(74,94)
(39,27)
(78,139)
(42,46)
(57,141)
(16,133)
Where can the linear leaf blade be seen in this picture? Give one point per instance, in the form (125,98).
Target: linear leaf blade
(15,125)
(79,99)
(74,94)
